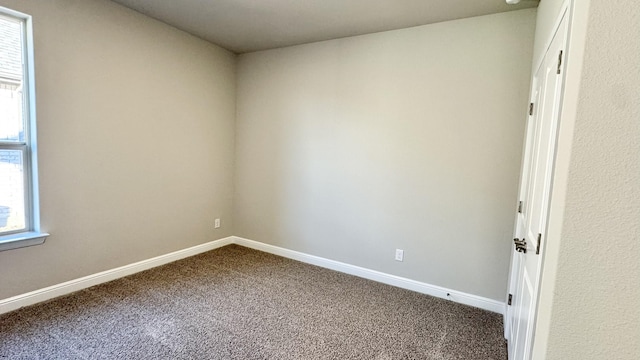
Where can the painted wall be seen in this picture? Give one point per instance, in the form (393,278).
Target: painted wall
(594,312)
(136,139)
(411,139)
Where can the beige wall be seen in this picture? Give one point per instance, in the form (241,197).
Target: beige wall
(136,123)
(595,311)
(411,139)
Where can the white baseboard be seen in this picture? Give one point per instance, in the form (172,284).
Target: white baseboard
(424,288)
(33,297)
(68,287)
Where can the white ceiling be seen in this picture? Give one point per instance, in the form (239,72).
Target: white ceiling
(249,25)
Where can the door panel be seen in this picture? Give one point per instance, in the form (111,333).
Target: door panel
(535,193)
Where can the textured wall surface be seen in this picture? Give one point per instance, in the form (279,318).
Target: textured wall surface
(596,307)
(135,125)
(410,139)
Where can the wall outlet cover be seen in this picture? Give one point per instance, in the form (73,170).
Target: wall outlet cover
(399,255)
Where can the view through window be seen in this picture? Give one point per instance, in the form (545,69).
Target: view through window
(19,209)
(15,211)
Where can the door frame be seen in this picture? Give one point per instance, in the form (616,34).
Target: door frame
(578,15)
(565,14)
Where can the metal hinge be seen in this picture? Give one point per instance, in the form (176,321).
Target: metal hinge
(538,246)
(559,61)
(531,109)
(510,299)
(520,207)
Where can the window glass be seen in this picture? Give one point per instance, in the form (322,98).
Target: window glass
(15,209)
(12,191)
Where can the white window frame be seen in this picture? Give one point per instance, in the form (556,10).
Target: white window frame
(32,234)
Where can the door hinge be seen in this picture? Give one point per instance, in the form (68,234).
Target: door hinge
(530,109)
(538,246)
(510,299)
(520,207)
(559,61)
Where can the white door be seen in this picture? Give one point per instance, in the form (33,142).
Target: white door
(535,192)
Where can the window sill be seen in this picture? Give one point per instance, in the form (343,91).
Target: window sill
(20,240)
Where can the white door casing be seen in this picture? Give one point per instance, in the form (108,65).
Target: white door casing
(534,196)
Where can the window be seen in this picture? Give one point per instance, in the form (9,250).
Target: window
(19,215)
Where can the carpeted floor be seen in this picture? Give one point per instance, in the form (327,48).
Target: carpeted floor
(237,303)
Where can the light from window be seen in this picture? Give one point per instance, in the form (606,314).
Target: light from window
(18,180)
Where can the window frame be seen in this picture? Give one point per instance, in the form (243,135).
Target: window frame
(31,234)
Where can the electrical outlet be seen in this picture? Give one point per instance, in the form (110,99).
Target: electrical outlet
(217,223)
(399,255)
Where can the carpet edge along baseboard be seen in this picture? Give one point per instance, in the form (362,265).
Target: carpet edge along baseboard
(50,292)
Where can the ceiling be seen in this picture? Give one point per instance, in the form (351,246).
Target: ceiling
(250,25)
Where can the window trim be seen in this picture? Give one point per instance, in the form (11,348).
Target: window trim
(32,234)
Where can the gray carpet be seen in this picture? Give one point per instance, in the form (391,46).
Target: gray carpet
(237,303)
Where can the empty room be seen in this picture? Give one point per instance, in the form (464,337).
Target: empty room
(367,179)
